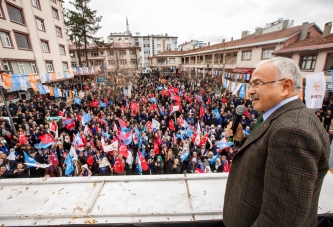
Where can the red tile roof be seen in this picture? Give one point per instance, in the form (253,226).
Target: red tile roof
(286,33)
(310,43)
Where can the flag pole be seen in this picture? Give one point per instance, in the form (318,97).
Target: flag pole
(9,114)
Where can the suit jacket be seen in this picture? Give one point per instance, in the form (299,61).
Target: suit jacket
(277,174)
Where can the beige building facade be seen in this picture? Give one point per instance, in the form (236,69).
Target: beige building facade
(33,38)
(242,55)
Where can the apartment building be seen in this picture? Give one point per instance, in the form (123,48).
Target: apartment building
(237,56)
(313,54)
(193,44)
(33,40)
(154,44)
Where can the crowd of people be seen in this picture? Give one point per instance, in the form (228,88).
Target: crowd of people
(189,124)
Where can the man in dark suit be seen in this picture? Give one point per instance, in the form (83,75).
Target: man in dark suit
(277,174)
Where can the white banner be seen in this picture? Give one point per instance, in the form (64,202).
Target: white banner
(315,90)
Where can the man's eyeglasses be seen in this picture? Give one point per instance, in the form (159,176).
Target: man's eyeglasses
(259,84)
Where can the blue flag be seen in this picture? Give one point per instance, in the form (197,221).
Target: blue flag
(77,101)
(128,140)
(139,163)
(78,139)
(86,118)
(28,160)
(154,100)
(242,91)
(223,145)
(217,114)
(160,88)
(106,135)
(69,164)
(161,111)
(183,157)
(102,104)
(212,161)
(41,145)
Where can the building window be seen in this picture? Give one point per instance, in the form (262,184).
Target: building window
(126,38)
(21,67)
(111,38)
(34,68)
(45,46)
(111,62)
(146,45)
(97,62)
(158,51)
(329,62)
(40,24)
(267,53)
(73,64)
(133,62)
(308,62)
(65,66)
(5,39)
(246,55)
(55,13)
(72,54)
(132,52)
(111,52)
(15,14)
(62,50)
(123,61)
(158,45)
(35,3)
(22,41)
(171,60)
(94,53)
(122,52)
(49,66)
(169,46)
(59,32)
(1,13)
(7,67)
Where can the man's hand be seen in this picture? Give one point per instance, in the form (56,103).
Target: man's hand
(239,135)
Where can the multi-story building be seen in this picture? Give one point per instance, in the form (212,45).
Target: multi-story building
(314,54)
(193,44)
(120,55)
(154,44)
(33,39)
(237,56)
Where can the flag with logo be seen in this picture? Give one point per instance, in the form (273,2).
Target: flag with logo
(315,90)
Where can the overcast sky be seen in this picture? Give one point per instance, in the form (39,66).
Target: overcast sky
(209,20)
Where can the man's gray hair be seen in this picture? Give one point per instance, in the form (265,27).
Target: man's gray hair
(286,68)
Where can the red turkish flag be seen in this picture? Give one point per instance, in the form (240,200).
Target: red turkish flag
(209,101)
(94,103)
(123,150)
(202,111)
(90,160)
(23,139)
(171,125)
(156,148)
(203,140)
(60,113)
(118,166)
(47,138)
(144,164)
(53,127)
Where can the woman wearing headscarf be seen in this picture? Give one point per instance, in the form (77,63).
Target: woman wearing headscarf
(159,165)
